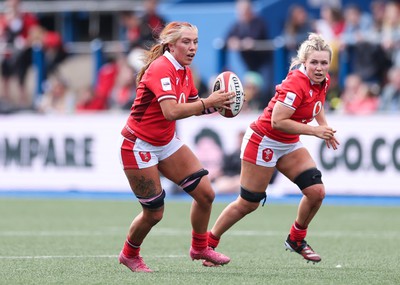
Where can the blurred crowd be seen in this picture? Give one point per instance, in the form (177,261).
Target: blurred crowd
(366,53)
(366,47)
(115,85)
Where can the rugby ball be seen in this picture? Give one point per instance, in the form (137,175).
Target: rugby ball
(229,81)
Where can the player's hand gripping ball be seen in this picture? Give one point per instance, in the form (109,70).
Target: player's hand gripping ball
(229,81)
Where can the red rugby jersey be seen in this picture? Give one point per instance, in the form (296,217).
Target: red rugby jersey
(298,92)
(165,79)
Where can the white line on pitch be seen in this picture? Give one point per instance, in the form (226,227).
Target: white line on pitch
(79,256)
(176,232)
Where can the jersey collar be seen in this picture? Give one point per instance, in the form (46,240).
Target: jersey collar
(172,59)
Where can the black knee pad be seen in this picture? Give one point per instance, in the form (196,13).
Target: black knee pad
(153,202)
(190,183)
(252,196)
(309,177)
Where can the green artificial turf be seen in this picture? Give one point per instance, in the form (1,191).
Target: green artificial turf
(51,241)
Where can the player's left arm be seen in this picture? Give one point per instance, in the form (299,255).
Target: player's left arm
(281,119)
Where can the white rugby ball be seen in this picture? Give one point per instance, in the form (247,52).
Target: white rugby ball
(229,81)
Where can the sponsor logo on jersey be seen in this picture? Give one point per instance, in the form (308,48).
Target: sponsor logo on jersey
(289,99)
(317,108)
(166,84)
(311,92)
(182,98)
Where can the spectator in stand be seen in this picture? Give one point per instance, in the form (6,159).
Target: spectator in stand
(377,8)
(352,84)
(105,83)
(252,86)
(358,97)
(130,23)
(53,48)
(390,97)
(330,26)
(297,28)
(98,97)
(142,30)
(243,36)
(124,91)
(360,43)
(57,99)
(84,99)
(358,26)
(151,24)
(391,32)
(366,102)
(15,26)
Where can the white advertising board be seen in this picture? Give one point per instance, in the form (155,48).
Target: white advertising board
(80,152)
(59,153)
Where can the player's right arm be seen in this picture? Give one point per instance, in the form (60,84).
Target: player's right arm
(172,110)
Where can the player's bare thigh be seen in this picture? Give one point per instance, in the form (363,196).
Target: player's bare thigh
(180,165)
(294,163)
(144,182)
(255,178)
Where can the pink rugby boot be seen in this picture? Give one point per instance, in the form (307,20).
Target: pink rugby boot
(136,264)
(209,254)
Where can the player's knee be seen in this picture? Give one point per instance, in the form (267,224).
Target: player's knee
(246,207)
(315,193)
(319,192)
(208,198)
(157,216)
(190,183)
(205,198)
(153,216)
(253,197)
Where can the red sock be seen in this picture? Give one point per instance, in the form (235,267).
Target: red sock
(130,249)
(298,232)
(199,241)
(213,241)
